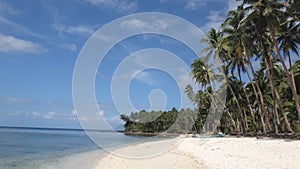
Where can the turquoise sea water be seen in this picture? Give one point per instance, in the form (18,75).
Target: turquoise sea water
(22,148)
(29,148)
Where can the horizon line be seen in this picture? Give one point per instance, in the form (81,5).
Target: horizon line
(58,128)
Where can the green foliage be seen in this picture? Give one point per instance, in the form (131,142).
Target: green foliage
(172,121)
(264,29)
(267,30)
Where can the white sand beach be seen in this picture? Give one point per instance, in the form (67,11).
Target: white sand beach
(193,153)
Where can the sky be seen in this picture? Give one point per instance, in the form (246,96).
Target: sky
(41,40)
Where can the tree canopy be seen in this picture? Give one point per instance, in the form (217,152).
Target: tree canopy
(258,48)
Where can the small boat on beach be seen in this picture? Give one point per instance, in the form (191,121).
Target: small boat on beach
(210,136)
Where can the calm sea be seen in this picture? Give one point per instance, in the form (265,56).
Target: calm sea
(23,148)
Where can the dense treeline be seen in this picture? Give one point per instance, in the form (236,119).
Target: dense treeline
(267,98)
(172,121)
(261,98)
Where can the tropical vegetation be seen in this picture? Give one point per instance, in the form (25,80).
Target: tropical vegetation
(173,121)
(257,48)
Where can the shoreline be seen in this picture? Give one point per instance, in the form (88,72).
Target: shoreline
(152,154)
(191,153)
(88,159)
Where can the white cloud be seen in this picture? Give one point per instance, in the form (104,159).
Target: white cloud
(20,28)
(17,113)
(119,5)
(73,115)
(232,4)
(81,30)
(185,79)
(35,114)
(114,121)
(143,77)
(147,78)
(13,100)
(124,76)
(134,68)
(167,41)
(13,44)
(100,113)
(216,18)
(194,4)
(49,115)
(137,24)
(214,21)
(103,37)
(71,47)
(97,121)
(134,23)
(85,117)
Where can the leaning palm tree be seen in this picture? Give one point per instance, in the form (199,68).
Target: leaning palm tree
(293,8)
(263,15)
(238,88)
(289,40)
(202,73)
(216,49)
(267,17)
(236,39)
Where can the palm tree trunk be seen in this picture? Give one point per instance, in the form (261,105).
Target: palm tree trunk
(259,93)
(233,122)
(275,117)
(248,100)
(246,121)
(238,124)
(238,105)
(275,112)
(295,90)
(287,123)
(211,127)
(251,110)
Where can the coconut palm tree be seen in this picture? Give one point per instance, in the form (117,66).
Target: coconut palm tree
(266,14)
(239,44)
(263,14)
(289,39)
(203,74)
(216,48)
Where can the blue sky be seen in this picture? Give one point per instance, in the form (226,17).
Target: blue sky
(40,41)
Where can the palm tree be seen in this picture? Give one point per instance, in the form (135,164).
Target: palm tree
(237,87)
(266,15)
(203,102)
(216,48)
(201,72)
(270,31)
(240,44)
(263,14)
(289,40)
(293,8)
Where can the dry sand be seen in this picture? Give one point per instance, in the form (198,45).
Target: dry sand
(193,153)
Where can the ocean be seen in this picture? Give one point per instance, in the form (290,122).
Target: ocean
(31,148)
